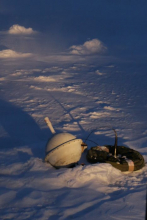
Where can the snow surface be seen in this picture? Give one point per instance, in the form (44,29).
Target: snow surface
(79,91)
(77,100)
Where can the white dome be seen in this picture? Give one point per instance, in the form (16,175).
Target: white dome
(63,149)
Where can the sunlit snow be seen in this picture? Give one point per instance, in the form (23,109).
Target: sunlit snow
(86,71)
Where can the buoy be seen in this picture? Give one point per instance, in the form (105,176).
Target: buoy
(63,149)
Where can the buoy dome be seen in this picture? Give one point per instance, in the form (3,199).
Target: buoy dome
(63,149)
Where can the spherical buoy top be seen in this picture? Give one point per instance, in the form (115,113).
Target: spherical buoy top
(63,150)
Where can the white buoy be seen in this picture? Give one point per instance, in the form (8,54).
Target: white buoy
(63,149)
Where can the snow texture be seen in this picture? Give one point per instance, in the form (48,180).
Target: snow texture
(17,29)
(89,47)
(81,89)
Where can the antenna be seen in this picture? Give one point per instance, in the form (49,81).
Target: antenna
(49,124)
(115,145)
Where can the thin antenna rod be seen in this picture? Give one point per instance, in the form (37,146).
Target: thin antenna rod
(49,124)
(115,145)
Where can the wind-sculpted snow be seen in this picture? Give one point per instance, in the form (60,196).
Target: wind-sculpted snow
(39,191)
(77,100)
(83,65)
(18,29)
(5,54)
(93,46)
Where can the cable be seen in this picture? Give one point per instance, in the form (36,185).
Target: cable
(115,144)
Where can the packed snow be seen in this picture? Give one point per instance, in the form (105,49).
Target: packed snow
(81,88)
(76,100)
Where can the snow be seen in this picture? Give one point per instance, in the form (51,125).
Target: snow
(17,29)
(81,89)
(76,101)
